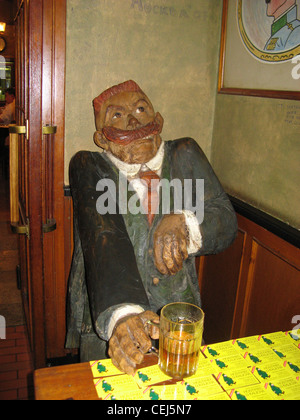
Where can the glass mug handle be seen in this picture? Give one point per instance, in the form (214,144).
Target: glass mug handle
(153,349)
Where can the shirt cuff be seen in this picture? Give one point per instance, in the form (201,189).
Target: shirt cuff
(121,312)
(195,237)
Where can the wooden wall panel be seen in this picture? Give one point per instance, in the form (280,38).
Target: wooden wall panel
(273,296)
(220,276)
(251,288)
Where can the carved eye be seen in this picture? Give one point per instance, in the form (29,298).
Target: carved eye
(140,109)
(117,115)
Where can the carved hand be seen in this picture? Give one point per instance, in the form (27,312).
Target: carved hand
(131,340)
(170,244)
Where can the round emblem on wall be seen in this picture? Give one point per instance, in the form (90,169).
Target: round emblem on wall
(270,30)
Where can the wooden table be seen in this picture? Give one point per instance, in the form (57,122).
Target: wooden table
(278,353)
(65,382)
(70,381)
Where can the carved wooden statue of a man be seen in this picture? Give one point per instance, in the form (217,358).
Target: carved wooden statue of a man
(133,258)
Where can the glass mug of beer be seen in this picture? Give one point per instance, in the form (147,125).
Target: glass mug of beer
(180,339)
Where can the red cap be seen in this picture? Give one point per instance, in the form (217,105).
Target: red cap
(128,86)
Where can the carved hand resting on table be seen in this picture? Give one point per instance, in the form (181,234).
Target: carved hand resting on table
(131,340)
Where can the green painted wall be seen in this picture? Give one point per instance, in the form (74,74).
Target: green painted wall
(256,153)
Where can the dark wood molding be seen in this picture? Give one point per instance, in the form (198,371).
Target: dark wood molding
(270,223)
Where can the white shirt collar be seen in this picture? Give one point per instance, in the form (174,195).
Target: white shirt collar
(131,170)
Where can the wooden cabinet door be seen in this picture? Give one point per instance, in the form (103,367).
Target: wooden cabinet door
(271,297)
(40,47)
(251,288)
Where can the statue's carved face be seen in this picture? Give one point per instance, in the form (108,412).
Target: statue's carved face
(128,127)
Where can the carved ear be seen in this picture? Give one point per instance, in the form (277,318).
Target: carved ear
(100,140)
(159,119)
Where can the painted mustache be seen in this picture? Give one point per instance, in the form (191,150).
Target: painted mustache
(125,137)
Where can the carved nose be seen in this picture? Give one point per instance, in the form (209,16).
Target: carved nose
(132,122)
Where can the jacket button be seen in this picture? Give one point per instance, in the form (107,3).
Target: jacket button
(155,281)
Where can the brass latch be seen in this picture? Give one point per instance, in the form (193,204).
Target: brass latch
(49,129)
(17,129)
(20,229)
(16,227)
(50,226)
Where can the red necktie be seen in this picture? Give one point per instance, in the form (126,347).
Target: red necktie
(151,180)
